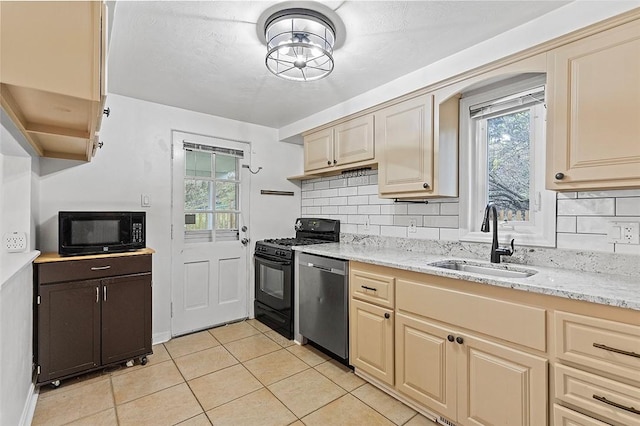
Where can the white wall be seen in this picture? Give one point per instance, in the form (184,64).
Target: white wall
(571,17)
(136,159)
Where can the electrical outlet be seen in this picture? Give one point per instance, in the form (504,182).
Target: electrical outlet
(15,242)
(412,226)
(366,223)
(624,233)
(145,200)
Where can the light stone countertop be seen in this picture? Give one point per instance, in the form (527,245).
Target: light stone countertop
(607,289)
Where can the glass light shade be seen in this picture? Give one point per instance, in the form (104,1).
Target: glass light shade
(299,45)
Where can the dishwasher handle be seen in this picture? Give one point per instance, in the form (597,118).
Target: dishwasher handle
(326,268)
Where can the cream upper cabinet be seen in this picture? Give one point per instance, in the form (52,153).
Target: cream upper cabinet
(593,137)
(52,73)
(346,144)
(417,143)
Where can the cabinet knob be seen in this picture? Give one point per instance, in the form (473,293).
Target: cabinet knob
(335,161)
(460,340)
(386,315)
(450,338)
(425,185)
(106,111)
(328,163)
(559,175)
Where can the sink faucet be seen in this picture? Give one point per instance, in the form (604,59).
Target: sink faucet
(496,251)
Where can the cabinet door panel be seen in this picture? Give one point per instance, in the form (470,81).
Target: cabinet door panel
(354,140)
(426,364)
(126,317)
(564,417)
(371,337)
(318,150)
(498,385)
(68,329)
(404,133)
(594,111)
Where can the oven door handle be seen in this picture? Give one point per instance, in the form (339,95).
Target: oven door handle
(272,262)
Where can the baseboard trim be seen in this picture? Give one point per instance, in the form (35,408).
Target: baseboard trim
(29,406)
(157,338)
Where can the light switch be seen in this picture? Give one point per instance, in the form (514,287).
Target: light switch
(145,200)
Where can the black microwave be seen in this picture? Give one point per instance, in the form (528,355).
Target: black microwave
(100,232)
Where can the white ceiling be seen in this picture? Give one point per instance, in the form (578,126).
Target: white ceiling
(206,56)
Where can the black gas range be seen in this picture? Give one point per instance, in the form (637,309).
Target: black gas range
(274,271)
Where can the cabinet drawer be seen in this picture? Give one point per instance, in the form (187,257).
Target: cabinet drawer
(72,270)
(564,417)
(605,397)
(520,324)
(608,346)
(373,287)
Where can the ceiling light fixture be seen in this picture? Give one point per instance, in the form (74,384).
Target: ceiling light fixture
(299,44)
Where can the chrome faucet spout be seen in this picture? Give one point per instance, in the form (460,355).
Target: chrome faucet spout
(496,250)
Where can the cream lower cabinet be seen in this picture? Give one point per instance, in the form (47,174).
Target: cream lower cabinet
(468,379)
(594,112)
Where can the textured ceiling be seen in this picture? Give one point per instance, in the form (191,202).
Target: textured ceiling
(206,56)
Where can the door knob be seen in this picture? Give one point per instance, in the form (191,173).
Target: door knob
(244,241)
(559,176)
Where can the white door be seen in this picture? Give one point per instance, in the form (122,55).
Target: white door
(210,217)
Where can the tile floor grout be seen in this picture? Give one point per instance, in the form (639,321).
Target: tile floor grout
(323,359)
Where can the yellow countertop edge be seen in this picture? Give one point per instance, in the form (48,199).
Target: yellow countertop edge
(55,257)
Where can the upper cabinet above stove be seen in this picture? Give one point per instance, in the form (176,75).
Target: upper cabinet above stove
(52,74)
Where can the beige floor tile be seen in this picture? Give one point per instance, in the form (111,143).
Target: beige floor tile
(275,366)
(166,407)
(306,392)
(420,420)
(204,362)
(190,343)
(308,354)
(199,420)
(251,347)
(103,418)
(127,387)
(159,355)
(257,408)
(74,403)
(346,411)
(230,332)
(279,339)
(258,325)
(340,374)
(389,407)
(69,384)
(223,386)
(297,423)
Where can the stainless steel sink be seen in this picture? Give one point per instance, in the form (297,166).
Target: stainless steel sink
(501,271)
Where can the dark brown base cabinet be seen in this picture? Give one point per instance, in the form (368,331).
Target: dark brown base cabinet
(90,312)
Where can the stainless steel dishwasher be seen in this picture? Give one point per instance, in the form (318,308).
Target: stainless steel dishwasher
(323,294)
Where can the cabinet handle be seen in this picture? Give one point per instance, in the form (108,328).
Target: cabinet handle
(369,288)
(615,404)
(618,351)
(104,293)
(386,315)
(329,163)
(100,268)
(425,185)
(460,340)
(97,294)
(451,338)
(335,161)
(559,176)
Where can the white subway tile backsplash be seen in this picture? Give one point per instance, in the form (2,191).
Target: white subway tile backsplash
(628,206)
(358,219)
(381,220)
(306,202)
(368,190)
(613,193)
(329,193)
(312,210)
(374,199)
(322,184)
(306,186)
(425,234)
(449,208)
(338,183)
(566,224)
(348,209)
(422,209)
(358,181)
(368,209)
(373,179)
(587,207)
(440,221)
(338,201)
(321,201)
(393,209)
(449,234)
(348,228)
(588,242)
(358,199)
(593,224)
(393,231)
(566,195)
(330,210)
(345,192)
(371,230)
(406,220)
